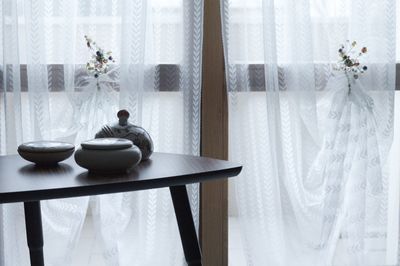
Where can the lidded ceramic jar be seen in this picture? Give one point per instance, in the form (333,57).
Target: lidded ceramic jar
(108,155)
(123,129)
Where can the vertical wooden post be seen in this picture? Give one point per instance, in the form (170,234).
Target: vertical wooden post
(214,140)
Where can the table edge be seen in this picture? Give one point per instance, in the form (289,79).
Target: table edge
(119,187)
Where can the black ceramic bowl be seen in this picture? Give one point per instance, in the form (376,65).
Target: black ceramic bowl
(46,152)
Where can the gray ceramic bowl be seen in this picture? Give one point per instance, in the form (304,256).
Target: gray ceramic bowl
(46,152)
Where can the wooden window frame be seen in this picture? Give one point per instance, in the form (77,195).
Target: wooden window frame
(214,139)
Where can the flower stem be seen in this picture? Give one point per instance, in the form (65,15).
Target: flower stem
(348,82)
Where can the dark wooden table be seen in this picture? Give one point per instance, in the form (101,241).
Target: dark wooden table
(21,181)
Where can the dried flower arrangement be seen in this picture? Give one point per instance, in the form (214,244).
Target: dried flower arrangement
(349,61)
(99,62)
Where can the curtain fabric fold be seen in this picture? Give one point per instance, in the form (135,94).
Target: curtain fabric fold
(315,187)
(45,95)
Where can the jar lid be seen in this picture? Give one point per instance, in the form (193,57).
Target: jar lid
(45,146)
(107,144)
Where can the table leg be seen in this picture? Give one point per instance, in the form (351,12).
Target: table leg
(186,226)
(34,234)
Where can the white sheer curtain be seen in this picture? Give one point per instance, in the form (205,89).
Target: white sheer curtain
(157,48)
(316,188)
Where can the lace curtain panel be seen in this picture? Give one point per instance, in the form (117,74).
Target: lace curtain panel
(44,95)
(317,186)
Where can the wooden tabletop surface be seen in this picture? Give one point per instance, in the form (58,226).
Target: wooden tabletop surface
(22,181)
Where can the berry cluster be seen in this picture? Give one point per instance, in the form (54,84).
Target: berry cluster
(349,59)
(98,63)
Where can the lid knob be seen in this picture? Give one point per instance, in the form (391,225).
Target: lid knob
(123,116)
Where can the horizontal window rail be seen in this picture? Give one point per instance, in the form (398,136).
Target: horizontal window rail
(167,77)
(164,77)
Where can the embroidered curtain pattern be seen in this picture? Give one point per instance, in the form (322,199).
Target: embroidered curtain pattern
(316,184)
(45,95)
